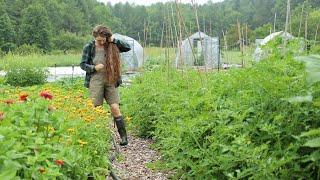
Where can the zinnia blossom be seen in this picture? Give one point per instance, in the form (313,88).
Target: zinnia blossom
(59,162)
(46,95)
(9,101)
(23,96)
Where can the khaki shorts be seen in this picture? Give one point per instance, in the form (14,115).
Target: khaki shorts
(99,90)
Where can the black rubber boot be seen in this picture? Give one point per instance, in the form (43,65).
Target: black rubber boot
(122,130)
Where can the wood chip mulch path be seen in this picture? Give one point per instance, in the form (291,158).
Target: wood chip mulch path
(133,159)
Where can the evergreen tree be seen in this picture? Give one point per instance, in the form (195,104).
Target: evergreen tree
(35,27)
(6,31)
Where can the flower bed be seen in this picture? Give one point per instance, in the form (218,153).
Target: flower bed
(52,131)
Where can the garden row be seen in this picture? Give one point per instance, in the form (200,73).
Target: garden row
(258,122)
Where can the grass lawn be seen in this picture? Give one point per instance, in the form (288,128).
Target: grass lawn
(41,60)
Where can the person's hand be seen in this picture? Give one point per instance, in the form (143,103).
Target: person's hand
(98,67)
(111,39)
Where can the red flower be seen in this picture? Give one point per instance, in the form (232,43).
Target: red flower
(46,95)
(9,101)
(1,115)
(59,162)
(23,96)
(42,170)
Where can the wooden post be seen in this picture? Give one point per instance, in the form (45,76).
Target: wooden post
(316,34)
(204,24)
(274,22)
(161,41)
(243,47)
(144,33)
(306,28)
(175,27)
(210,26)
(225,46)
(181,61)
(247,34)
(287,24)
(240,42)
(150,31)
(300,23)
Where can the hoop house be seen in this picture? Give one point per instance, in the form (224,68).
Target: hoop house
(198,50)
(133,59)
(259,53)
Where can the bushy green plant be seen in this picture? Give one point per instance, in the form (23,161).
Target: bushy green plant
(26,49)
(315,49)
(69,41)
(25,75)
(237,124)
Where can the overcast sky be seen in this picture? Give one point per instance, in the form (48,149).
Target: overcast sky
(148,2)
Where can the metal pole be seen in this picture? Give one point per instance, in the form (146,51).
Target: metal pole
(72,73)
(55,72)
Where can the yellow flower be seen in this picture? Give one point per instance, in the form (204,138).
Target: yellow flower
(71,130)
(128,118)
(51,129)
(82,142)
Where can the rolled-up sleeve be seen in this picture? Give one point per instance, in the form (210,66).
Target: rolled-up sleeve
(122,45)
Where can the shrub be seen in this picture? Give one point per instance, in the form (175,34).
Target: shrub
(26,49)
(69,41)
(26,75)
(8,47)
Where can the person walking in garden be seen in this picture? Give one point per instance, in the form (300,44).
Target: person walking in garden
(101,61)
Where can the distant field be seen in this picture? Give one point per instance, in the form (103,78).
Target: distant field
(41,60)
(154,52)
(150,53)
(236,57)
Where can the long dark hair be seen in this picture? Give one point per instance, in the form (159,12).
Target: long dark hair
(113,65)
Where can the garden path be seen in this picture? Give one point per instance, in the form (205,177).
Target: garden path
(134,158)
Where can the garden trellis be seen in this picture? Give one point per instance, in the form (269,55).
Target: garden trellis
(205,49)
(133,59)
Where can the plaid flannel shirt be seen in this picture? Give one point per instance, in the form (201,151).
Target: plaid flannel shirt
(88,55)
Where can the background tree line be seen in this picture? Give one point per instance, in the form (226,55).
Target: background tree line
(66,24)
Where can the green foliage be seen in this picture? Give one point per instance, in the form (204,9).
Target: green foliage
(69,41)
(36,27)
(25,74)
(39,60)
(7,33)
(236,124)
(26,49)
(263,31)
(315,49)
(79,16)
(33,140)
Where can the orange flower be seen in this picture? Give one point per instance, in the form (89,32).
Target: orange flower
(59,162)
(46,95)
(9,101)
(23,96)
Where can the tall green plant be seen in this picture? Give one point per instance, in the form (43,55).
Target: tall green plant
(240,124)
(23,74)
